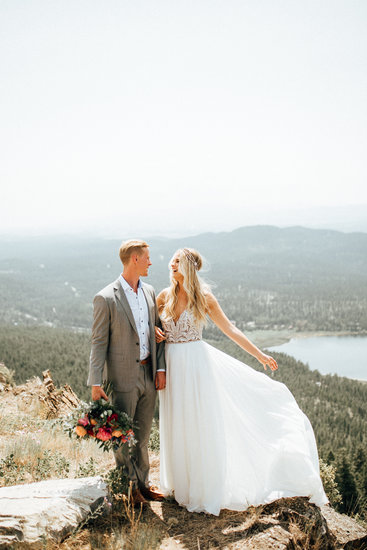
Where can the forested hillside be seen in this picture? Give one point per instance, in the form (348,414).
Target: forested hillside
(336,407)
(265,277)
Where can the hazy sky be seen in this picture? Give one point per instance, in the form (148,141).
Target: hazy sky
(135,117)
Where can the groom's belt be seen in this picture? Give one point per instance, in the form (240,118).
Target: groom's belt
(146,361)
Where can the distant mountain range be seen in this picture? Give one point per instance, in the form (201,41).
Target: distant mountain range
(292,263)
(347,218)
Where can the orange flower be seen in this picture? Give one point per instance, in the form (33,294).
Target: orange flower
(93,421)
(117,433)
(80,431)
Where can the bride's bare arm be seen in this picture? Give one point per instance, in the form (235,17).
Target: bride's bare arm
(218,316)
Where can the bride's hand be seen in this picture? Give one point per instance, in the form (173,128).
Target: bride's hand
(159,335)
(268,360)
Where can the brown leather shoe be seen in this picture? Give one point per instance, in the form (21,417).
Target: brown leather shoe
(151,493)
(136,498)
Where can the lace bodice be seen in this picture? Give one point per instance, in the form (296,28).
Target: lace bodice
(184,330)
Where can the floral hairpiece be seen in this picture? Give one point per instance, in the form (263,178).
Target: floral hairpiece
(190,257)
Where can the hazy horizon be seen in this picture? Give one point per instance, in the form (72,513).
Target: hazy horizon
(348,226)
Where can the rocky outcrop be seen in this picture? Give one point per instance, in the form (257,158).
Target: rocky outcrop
(290,523)
(49,509)
(347,532)
(295,523)
(55,402)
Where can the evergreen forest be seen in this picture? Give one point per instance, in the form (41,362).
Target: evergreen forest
(336,406)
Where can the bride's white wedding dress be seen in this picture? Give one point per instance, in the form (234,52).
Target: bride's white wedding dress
(230,436)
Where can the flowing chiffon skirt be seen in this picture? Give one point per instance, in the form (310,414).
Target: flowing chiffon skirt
(230,436)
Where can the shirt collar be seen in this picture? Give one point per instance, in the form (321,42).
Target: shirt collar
(125,285)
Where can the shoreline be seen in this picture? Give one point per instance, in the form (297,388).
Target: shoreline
(271,338)
(265,339)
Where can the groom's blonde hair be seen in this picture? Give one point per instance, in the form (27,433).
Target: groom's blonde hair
(132,246)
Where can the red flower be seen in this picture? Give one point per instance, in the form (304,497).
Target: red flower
(104,434)
(112,417)
(84,421)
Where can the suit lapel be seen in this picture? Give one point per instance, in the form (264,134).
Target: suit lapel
(120,295)
(151,306)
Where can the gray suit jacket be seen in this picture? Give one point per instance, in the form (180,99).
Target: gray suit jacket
(115,353)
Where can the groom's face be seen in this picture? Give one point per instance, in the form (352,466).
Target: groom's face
(143,263)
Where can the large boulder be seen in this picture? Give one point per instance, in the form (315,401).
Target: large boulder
(347,532)
(296,523)
(49,509)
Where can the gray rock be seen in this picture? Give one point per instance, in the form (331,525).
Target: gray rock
(49,509)
(348,533)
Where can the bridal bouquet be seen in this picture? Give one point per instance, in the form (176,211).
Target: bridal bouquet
(102,422)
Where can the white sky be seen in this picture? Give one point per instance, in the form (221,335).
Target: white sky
(179,116)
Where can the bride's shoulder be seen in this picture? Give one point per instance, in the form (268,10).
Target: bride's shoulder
(209,297)
(211,300)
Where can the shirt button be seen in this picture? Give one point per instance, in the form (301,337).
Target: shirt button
(137,361)
(137,343)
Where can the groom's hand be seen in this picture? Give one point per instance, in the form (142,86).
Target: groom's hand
(160,380)
(98,393)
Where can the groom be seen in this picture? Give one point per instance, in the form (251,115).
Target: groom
(123,342)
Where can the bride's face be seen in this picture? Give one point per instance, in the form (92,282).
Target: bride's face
(174,268)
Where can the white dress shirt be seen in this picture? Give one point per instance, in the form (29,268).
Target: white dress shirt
(139,308)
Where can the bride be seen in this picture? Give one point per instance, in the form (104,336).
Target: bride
(231,437)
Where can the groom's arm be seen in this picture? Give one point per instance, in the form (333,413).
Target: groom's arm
(161,361)
(160,377)
(100,341)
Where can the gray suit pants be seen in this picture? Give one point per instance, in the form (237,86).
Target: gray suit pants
(139,404)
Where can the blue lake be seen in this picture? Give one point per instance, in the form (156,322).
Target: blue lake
(342,355)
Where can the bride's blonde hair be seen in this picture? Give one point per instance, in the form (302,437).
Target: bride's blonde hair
(190,262)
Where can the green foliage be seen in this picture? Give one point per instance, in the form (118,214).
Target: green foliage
(117,481)
(154,443)
(327,473)
(347,485)
(10,472)
(15,470)
(51,464)
(88,469)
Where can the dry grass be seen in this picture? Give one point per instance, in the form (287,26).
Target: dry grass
(161,525)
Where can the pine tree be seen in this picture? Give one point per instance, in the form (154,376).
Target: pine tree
(330,457)
(359,459)
(347,486)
